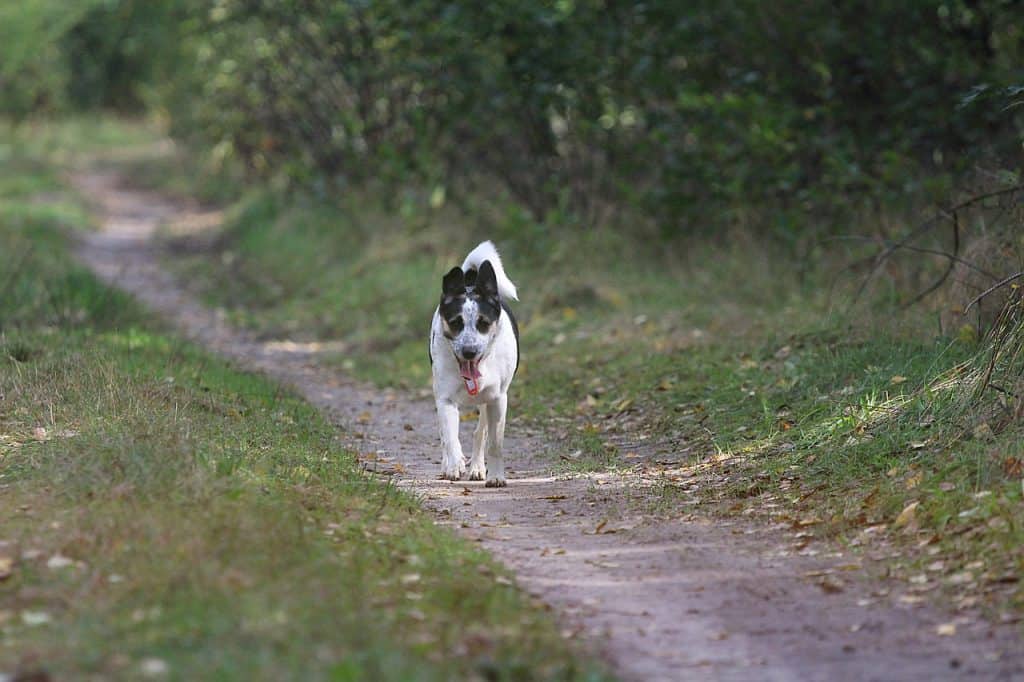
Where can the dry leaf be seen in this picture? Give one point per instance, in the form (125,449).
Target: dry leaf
(897,379)
(6,567)
(33,618)
(907,517)
(59,561)
(830,586)
(946,630)
(983,432)
(154,667)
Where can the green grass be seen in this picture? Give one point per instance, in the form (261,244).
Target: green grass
(718,348)
(166,511)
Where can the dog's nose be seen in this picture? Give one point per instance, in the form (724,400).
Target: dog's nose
(468,353)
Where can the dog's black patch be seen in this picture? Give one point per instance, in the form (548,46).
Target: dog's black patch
(453,295)
(485,293)
(454,283)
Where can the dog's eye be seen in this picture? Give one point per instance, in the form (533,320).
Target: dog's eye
(455,324)
(483,325)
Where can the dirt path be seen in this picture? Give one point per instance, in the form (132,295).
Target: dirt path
(694,598)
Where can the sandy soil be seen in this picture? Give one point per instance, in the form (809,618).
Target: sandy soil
(697,597)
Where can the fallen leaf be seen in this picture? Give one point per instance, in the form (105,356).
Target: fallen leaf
(897,379)
(946,630)
(907,516)
(34,618)
(830,586)
(154,667)
(983,432)
(6,567)
(59,561)
(623,405)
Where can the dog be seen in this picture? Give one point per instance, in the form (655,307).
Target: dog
(474,355)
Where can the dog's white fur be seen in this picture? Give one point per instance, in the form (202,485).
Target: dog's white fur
(499,355)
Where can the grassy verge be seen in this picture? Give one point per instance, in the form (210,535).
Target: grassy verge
(730,359)
(169,516)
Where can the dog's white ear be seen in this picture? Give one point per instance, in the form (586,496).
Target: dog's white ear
(454,283)
(487,281)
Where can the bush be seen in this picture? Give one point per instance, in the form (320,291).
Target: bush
(687,111)
(669,106)
(58,56)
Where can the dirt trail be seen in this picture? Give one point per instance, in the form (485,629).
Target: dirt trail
(693,598)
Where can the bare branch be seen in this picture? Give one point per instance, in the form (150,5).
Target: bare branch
(997,285)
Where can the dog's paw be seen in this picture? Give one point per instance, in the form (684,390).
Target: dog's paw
(496,483)
(453,471)
(477,473)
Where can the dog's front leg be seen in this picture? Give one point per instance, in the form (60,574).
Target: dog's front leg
(495,437)
(452,461)
(477,466)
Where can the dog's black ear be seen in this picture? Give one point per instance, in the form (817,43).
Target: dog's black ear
(487,281)
(471,277)
(454,283)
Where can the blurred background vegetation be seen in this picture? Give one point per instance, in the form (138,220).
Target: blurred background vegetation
(786,115)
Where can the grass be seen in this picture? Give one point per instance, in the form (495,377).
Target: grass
(718,349)
(168,515)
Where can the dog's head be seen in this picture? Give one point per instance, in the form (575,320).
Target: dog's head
(470,308)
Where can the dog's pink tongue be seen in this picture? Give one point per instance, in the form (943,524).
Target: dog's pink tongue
(470,371)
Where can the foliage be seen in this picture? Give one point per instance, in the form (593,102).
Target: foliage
(680,109)
(672,106)
(59,56)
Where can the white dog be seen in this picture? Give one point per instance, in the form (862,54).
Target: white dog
(474,353)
